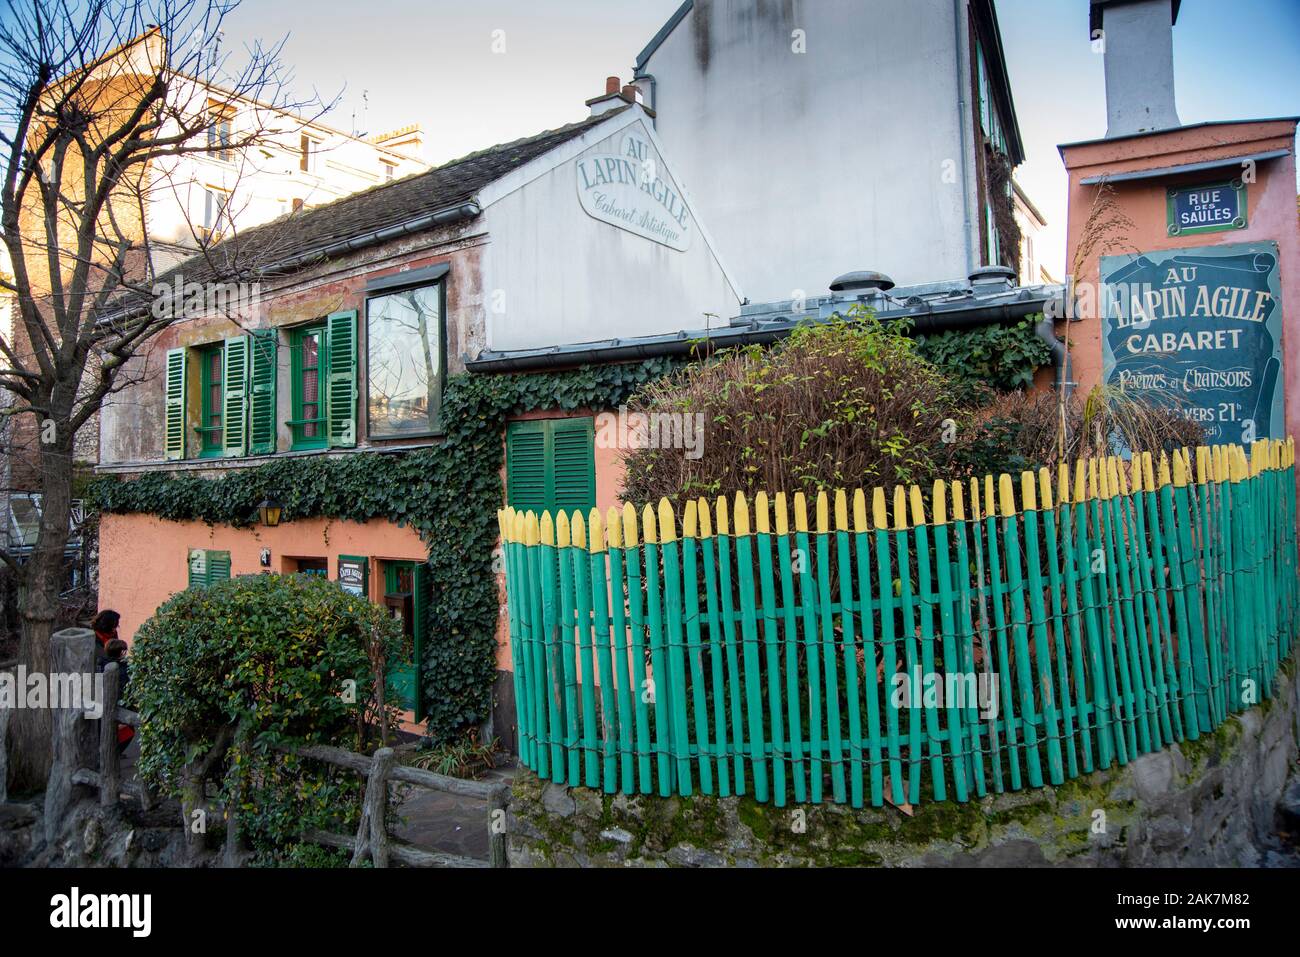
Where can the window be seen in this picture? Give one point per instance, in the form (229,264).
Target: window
(297,203)
(233,411)
(308,422)
(219,134)
(551,465)
(214,208)
(404,362)
(308,154)
(390,170)
(211,399)
(311,566)
(323,364)
(207,567)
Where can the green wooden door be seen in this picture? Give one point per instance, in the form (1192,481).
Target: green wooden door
(402,578)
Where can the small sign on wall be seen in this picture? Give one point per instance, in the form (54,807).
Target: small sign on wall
(1207,209)
(1201,330)
(353,574)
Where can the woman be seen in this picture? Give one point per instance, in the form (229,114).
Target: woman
(105,628)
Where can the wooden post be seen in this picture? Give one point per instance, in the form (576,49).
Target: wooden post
(72,653)
(4,754)
(497,837)
(110,769)
(372,836)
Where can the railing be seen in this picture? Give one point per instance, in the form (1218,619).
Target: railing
(942,651)
(86,754)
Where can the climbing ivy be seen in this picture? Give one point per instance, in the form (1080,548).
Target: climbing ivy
(448,492)
(1000,357)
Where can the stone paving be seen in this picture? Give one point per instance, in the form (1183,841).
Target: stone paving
(436,821)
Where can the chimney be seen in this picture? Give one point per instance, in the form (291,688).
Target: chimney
(616,95)
(1139,55)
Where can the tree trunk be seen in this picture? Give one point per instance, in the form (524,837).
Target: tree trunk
(39,604)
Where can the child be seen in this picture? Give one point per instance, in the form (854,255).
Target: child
(115,651)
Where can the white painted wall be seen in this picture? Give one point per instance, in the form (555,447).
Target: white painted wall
(262,181)
(555,275)
(809,165)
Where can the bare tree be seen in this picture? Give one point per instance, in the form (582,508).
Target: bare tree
(99,100)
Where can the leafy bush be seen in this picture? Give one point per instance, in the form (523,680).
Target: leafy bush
(1001,358)
(1021,431)
(837,404)
(224,674)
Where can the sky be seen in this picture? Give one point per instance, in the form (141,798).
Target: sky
(479,72)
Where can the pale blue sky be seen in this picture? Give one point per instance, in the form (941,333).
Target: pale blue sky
(432,61)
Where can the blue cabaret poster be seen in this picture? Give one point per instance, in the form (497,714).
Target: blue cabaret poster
(1201,330)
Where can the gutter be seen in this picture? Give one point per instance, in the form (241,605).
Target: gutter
(925,319)
(452,214)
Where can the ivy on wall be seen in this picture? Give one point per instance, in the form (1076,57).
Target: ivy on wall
(449,493)
(1001,357)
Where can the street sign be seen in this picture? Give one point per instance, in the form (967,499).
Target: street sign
(1207,209)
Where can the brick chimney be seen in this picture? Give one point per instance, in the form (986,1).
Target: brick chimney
(1139,44)
(616,95)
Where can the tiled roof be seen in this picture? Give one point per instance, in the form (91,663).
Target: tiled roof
(286,240)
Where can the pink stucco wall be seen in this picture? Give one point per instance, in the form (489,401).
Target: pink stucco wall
(144,559)
(1271,215)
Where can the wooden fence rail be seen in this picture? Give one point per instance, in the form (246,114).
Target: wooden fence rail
(980,639)
(86,754)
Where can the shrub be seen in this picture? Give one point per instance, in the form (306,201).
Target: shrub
(1018,431)
(843,403)
(222,675)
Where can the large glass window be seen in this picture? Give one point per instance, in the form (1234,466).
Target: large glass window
(404,362)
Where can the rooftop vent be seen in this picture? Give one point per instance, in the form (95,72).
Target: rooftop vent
(993,275)
(861,281)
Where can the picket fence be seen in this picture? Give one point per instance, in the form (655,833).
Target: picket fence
(941,652)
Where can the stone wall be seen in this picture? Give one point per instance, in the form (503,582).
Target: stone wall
(1210,802)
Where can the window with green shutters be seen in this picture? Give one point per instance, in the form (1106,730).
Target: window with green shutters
(551,465)
(307,345)
(211,399)
(206,567)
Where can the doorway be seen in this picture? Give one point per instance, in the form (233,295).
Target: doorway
(406,594)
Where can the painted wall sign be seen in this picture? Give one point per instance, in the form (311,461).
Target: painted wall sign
(1207,209)
(1202,330)
(631,190)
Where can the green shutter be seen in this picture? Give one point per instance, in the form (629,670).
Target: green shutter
(218,567)
(420,581)
(198,567)
(207,567)
(174,420)
(526,465)
(261,396)
(341,384)
(234,412)
(551,464)
(573,464)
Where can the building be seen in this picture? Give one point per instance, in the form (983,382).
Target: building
(1193,300)
(1031,224)
(367,305)
(827,136)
